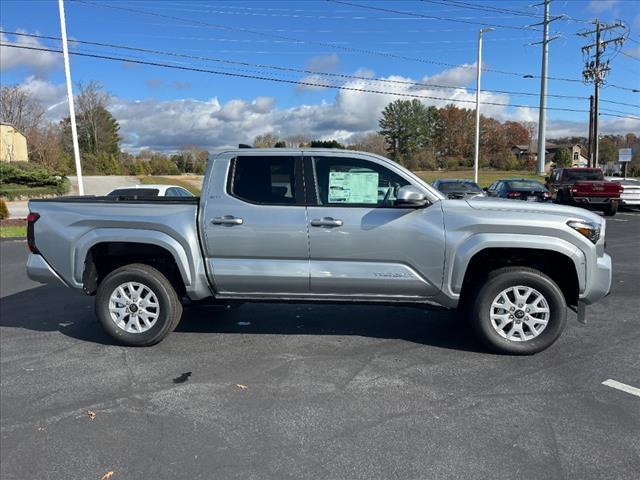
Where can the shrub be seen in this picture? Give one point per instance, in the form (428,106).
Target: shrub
(28,180)
(4,211)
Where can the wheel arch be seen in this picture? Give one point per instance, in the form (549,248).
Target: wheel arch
(560,260)
(102,250)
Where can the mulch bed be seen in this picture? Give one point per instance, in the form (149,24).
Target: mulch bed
(13,222)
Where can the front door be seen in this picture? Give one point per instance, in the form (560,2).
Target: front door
(255,226)
(361,244)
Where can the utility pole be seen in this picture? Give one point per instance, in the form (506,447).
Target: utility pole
(72,110)
(589,149)
(476,153)
(542,115)
(595,70)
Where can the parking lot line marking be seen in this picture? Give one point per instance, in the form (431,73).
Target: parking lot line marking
(622,386)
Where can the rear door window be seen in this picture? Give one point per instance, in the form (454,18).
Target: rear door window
(270,180)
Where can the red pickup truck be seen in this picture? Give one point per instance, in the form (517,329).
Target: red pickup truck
(584,187)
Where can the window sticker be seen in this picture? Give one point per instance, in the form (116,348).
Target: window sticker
(353,187)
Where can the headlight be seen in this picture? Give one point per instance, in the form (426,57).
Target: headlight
(588,229)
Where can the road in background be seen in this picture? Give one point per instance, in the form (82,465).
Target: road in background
(308,391)
(101,185)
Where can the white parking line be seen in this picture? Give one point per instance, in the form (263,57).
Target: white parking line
(622,386)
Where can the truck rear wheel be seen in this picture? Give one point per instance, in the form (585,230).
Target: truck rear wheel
(137,305)
(519,311)
(611,209)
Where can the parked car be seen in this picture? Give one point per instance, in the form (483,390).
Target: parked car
(630,196)
(151,191)
(519,189)
(584,187)
(458,188)
(512,267)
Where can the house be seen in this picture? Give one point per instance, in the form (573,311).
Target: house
(13,144)
(577,155)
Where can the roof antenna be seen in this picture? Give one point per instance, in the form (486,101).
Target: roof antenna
(244,145)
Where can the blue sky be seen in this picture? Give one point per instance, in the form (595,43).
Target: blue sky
(164,108)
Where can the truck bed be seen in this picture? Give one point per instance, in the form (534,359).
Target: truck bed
(84,222)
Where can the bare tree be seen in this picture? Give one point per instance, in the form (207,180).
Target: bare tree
(297,141)
(370,142)
(45,147)
(18,108)
(91,100)
(268,140)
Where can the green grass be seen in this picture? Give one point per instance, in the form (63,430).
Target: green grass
(13,231)
(485,178)
(150,180)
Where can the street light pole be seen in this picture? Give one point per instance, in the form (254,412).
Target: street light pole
(476,153)
(72,110)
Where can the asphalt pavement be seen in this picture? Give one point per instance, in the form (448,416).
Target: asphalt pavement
(307,391)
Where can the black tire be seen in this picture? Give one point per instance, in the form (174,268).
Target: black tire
(502,279)
(611,209)
(170,308)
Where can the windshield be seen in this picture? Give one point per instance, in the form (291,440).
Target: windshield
(589,175)
(462,186)
(134,192)
(525,185)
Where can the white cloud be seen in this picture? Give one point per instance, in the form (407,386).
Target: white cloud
(462,75)
(323,63)
(599,6)
(52,97)
(312,83)
(33,60)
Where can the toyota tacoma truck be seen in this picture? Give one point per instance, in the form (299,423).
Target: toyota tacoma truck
(585,187)
(316,225)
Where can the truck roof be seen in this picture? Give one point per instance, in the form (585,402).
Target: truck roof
(288,151)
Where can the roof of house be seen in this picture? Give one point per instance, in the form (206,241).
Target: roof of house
(549,147)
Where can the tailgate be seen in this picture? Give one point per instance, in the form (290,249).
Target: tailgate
(596,189)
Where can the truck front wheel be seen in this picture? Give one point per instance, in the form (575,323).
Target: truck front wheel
(137,305)
(519,311)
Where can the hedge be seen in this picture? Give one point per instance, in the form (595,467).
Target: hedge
(27,180)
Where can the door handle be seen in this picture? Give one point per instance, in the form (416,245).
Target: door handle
(227,220)
(326,222)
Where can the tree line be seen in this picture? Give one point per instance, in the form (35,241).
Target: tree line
(417,136)
(50,144)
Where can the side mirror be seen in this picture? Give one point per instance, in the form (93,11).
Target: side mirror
(410,196)
(546,179)
(486,189)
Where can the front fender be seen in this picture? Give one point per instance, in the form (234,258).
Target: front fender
(464,252)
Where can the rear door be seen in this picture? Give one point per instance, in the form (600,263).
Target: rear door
(361,245)
(255,225)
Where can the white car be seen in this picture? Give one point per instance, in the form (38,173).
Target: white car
(151,191)
(630,196)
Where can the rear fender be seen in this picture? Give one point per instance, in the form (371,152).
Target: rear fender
(152,237)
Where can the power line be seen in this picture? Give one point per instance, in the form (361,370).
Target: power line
(298,70)
(324,44)
(430,17)
(297,82)
(484,8)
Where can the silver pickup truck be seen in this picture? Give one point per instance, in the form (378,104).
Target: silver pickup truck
(323,226)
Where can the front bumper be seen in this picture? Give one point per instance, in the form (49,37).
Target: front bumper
(599,281)
(40,271)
